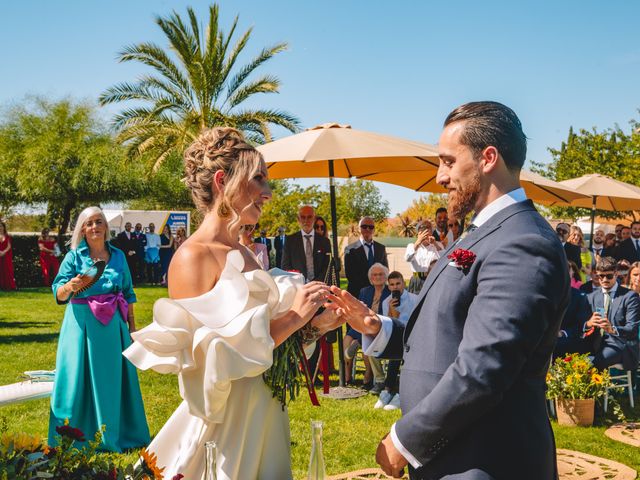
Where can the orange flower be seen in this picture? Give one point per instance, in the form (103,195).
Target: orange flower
(150,464)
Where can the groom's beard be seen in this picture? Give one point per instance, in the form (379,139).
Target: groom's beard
(463,199)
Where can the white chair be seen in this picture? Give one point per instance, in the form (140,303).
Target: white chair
(621,381)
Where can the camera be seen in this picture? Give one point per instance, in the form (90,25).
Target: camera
(396,294)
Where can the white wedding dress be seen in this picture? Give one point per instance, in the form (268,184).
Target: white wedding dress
(219,345)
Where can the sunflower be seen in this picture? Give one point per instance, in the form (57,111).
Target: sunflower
(150,464)
(570,380)
(21,441)
(597,379)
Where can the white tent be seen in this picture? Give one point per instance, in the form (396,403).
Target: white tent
(174,218)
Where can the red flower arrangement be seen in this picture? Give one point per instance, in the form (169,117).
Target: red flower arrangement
(462,258)
(70,432)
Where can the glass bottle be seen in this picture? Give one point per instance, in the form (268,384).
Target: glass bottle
(316,463)
(211,454)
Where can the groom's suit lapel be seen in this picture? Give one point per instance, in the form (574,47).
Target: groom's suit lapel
(466,243)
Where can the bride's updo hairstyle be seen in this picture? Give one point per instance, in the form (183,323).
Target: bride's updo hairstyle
(220,148)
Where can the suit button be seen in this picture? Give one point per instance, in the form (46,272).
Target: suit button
(407,348)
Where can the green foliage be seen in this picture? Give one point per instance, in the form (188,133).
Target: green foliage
(424,207)
(60,154)
(611,152)
(196,84)
(573,377)
(287,198)
(354,200)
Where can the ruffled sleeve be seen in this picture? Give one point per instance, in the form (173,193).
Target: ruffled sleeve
(218,337)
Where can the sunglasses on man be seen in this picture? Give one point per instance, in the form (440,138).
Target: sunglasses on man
(367,227)
(608,276)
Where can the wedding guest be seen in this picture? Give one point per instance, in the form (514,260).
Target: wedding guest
(181,236)
(629,248)
(572,251)
(421,255)
(320,227)
(609,245)
(152,255)
(440,233)
(360,255)
(632,281)
(258,249)
(398,306)
(278,243)
(372,296)
(625,234)
(263,239)
(570,335)
(618,234)
(49,263)
(128,243)
(576,237)
(588,286)
(167,247)
(141,240)
(95,385)
(615,320)
(622,271)
(7,279)
(454,230)
(304,251)
(574,274)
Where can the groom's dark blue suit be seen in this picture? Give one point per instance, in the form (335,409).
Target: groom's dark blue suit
(476,352)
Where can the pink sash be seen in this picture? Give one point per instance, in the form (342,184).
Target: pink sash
(104,306)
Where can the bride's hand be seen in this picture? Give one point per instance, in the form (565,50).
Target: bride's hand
(309,299)
(328,320)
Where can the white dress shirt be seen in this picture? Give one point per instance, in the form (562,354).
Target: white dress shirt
(374,346)
(153,241)
(304,240)
(420,259)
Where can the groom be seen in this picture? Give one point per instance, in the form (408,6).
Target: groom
(477,346)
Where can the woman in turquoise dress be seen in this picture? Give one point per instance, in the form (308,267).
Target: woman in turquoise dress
(95,384)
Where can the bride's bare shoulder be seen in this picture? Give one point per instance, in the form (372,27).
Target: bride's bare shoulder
(195,269)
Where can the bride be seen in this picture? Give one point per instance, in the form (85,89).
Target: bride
(224,317)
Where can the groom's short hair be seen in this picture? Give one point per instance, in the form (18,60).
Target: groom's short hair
(492,124)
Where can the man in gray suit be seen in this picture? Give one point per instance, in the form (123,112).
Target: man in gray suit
(477,347)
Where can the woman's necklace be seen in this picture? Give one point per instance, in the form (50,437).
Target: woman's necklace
(103,255)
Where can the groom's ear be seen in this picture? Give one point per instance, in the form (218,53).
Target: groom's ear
(490,159)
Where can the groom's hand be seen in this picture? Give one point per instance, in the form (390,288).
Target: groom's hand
(389,458)
(359,316)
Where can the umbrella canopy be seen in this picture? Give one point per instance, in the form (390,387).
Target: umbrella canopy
(353,153)
(608,193)
(537,187)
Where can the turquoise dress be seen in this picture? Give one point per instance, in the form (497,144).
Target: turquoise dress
(95,384)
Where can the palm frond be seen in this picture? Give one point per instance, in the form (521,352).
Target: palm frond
(266,84)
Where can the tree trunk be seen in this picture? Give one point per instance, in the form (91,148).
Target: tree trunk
(64,222)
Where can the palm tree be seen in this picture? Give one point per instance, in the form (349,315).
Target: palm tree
(198,87)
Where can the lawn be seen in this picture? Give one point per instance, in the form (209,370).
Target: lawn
(29,325)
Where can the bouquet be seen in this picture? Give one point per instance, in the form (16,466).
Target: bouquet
(574,377)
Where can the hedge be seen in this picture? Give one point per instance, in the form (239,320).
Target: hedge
(26,260)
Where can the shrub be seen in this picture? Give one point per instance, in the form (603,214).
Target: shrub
(26,260)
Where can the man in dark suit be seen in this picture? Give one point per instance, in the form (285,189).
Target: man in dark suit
(127,242)
(598,248)
(263,239)
(477,346)
(306,252)
(141,243)
(278,244)
(570,336)
(615,320)
(572,251)
(629,249)
(442,220)
(360,255)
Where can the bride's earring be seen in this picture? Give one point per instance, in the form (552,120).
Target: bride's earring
(223,209)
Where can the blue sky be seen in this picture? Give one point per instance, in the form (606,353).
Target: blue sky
(389,67)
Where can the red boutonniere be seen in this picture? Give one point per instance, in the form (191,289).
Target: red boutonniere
(462,258)
(294,271)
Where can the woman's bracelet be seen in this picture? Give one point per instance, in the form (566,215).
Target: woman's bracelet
(310,333)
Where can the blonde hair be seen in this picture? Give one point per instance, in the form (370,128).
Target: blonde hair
(220,148)
(77,235)
(576,236)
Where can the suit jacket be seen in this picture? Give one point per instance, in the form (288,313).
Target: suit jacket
(605,252)
(127,244)
(278,244)
(356,267)
(573,253)
(624,314)
(293,257)
(476,352)
(577,314)
(366,296)
(627,251)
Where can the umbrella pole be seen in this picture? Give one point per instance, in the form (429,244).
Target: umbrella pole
(593,219)
(334,229)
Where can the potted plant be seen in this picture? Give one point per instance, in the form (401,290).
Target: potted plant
(575,384)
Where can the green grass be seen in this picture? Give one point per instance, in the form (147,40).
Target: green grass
(29,325)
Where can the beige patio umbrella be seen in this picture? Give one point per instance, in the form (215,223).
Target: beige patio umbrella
(606,194)
(538,188)
(333,150)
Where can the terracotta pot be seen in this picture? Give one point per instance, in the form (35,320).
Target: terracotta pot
(575,412)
